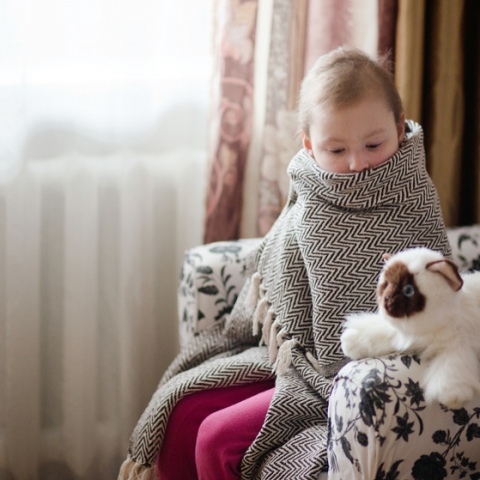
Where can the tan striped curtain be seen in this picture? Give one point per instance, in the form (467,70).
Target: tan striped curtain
(437,73)
(264,48)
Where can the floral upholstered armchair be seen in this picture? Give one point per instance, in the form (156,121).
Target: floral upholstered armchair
(380,427)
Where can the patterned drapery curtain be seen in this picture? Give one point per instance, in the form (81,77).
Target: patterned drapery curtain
(263,51)
(266,47)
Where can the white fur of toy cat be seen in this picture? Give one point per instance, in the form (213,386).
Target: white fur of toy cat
(444,327)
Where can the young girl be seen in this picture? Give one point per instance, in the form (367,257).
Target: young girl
(359,188)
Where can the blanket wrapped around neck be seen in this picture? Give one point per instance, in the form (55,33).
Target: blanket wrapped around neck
(319,262)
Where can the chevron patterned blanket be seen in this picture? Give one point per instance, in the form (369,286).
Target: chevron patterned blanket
(319,262)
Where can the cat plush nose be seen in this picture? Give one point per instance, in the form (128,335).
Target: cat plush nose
(403,302)
(395,305)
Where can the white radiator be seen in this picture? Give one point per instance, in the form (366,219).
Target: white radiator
(90,251)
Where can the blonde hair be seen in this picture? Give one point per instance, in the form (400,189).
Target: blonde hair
(342,78)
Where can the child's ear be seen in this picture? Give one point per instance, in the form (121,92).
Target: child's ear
(401,128)
(307,144)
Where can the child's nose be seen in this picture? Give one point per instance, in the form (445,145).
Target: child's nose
(358,163)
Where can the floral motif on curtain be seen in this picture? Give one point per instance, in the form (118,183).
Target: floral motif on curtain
(299,32)
(233,108)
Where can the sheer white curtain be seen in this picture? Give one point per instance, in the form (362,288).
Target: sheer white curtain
(103,126)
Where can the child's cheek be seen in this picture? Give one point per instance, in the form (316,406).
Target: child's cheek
(382,156)
(379,160)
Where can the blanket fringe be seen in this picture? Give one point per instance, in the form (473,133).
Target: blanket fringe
(131,470)
(267,325)
(260,314)
(253,293)
(272,344)
(284,357)
(313,361)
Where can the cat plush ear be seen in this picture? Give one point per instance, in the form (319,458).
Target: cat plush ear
(387,257)
(448,270)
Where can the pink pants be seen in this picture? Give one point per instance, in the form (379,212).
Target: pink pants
(209,432)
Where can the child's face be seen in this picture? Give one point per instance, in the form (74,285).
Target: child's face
(353,139)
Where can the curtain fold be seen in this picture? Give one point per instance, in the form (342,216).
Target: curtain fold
(470,186)
(437,57)
(409,56)
(387,26)
(283,74)
(232,116)
(444,122)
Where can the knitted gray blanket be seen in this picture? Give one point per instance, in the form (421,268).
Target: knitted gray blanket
(320,261)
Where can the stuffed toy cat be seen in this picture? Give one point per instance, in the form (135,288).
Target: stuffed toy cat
(424,306)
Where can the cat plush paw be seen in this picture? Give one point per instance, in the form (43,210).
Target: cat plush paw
(366,335)
(452,398)
(452,377)
(352,346)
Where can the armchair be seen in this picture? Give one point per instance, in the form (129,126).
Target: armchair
(379,423)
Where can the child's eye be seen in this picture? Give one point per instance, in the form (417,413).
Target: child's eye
(337,151)
(373,146)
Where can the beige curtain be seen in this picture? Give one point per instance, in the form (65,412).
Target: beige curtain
(437,48)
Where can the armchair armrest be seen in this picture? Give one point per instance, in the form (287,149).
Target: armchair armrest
(465,243)
(211,278)
(380,426)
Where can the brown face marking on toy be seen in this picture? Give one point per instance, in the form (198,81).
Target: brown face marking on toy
(398,293)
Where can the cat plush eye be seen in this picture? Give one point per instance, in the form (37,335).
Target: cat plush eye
(408,290)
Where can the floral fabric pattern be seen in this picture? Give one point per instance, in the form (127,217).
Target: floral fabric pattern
(377,405)
(210,280)
(465,242)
